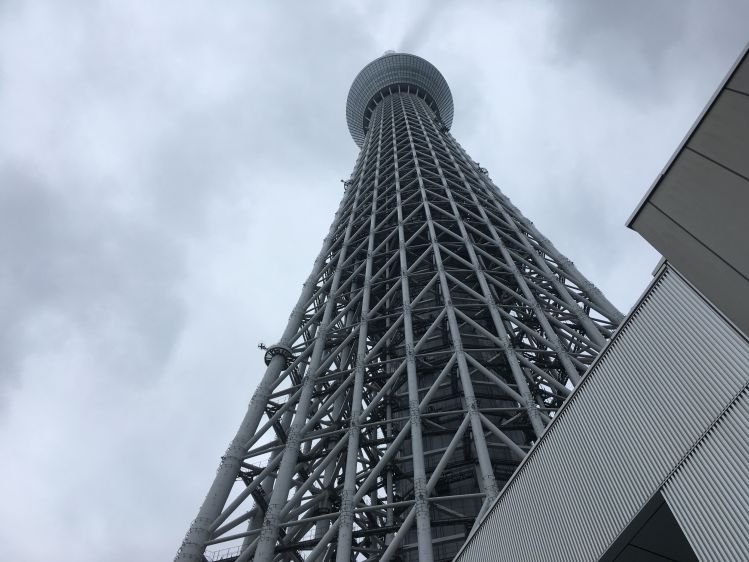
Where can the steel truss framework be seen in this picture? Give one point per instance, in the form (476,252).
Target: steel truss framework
(437,335)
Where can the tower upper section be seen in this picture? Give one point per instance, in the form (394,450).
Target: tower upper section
(395,72)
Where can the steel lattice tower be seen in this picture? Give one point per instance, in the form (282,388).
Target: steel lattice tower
(436,336)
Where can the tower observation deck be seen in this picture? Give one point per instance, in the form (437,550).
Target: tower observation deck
(433,342)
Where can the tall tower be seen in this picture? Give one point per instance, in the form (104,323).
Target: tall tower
(434,340)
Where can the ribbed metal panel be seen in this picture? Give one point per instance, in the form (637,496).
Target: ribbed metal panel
(706,497)
(665,377)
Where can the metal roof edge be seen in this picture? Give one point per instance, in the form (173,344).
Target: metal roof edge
(688,136)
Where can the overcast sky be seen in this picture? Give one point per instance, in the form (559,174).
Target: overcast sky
(168,171)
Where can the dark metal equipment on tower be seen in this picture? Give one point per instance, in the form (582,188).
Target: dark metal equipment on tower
(433,342)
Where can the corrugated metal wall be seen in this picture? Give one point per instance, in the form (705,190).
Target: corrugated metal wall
(669,372)
(709,493)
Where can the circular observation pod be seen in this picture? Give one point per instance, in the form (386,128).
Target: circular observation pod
(394,72)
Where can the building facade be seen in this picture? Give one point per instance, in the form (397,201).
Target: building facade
(435,339)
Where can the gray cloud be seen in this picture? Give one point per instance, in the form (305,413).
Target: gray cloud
(423,25)
(642,47)
(70,265)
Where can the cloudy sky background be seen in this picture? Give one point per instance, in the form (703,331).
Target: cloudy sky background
(168,171)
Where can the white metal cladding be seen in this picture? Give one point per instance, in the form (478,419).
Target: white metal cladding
(708,493)
(656,388)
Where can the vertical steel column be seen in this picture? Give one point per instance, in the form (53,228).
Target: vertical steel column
(487,472)
(269,533)
(423,530)
(345,532)
(389,482)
